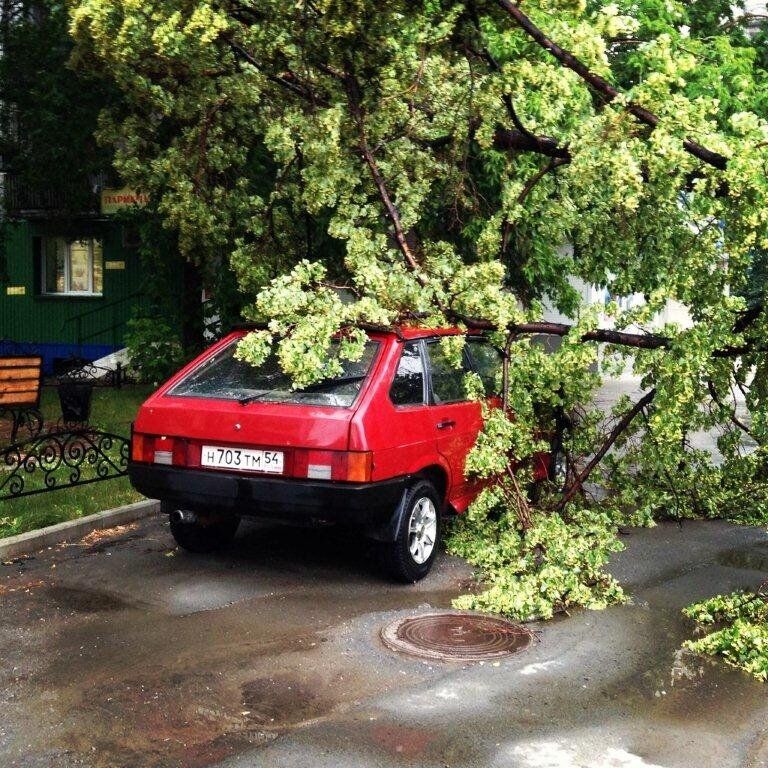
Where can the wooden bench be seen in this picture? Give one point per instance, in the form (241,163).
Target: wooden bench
(21,378)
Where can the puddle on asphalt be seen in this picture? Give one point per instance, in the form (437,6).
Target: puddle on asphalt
(153,689)
(82,600)
(676,685)
(753,558)
(284,700)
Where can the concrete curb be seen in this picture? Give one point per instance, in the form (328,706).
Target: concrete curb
(33,541)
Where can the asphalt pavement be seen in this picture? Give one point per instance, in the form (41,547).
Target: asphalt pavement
(122,650)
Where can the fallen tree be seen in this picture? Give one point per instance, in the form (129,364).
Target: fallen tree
(375,164)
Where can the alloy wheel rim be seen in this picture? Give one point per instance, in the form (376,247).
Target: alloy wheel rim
(561,467)
(422,530)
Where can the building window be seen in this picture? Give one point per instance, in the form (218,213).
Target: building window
(72,267)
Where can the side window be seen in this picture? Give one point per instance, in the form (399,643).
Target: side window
(447,381)
(408,385)
(487,362)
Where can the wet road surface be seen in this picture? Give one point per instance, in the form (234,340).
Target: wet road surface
(121,650)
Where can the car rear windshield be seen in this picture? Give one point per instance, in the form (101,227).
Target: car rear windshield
(221,376)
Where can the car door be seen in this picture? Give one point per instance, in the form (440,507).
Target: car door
(456,421)
(395,423)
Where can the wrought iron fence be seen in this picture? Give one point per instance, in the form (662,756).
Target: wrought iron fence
(64,458)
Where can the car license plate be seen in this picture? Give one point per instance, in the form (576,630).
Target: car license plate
(241,458)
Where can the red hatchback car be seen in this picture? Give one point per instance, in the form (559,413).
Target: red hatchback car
(380,448)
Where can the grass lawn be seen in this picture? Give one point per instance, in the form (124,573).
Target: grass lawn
(112,410)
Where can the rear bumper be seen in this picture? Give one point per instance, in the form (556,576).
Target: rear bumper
(372,506)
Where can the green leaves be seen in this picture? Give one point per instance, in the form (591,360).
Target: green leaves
(555,566)
(742,639)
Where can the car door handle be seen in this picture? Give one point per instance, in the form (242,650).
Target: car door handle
(446,424)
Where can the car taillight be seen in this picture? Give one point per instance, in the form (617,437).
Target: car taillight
(359,466)
(142,447)
(154,449)
(346,466)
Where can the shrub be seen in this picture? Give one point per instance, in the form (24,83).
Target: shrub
(154,349)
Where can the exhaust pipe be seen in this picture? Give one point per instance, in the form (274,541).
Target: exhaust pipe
(183,516)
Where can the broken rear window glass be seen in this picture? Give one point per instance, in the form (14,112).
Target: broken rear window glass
(226,378)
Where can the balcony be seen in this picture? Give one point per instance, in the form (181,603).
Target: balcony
(29,202)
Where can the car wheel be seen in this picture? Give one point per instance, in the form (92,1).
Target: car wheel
(410,556)
(201,535)
(558,468)
(557,475)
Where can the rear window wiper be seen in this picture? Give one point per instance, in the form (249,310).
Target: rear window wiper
(252,398)
(329,383)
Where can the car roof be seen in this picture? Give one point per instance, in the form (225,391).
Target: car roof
(401,331)
(415,332)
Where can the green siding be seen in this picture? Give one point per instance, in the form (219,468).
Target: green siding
(67,319)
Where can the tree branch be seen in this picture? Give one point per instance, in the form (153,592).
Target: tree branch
(601,85)
(290,83)
(606,335)
(735,420)
(553,164)
(505,371)
(355,104)
(616,432)
(486,56)
(520,141)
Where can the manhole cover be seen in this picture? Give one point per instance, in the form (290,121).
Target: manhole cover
(456,635)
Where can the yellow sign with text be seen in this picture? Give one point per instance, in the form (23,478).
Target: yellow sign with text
(116,200)
(16,290)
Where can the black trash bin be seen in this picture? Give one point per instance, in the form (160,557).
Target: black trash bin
(75,398)
(75,394)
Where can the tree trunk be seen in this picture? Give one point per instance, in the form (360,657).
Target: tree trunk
(191,308)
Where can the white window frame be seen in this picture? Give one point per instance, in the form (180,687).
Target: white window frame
(68,267)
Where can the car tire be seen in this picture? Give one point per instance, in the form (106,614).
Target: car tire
(558,467)
(556,478)
(216,533)
(410,557)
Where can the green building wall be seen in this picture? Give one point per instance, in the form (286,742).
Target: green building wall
(62,326)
